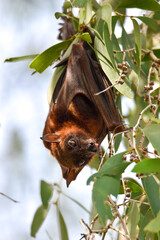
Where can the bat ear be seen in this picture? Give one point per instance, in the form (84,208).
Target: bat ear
(51,138)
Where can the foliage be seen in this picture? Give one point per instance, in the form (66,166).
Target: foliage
(132,64)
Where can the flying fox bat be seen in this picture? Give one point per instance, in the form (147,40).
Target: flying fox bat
(79,120)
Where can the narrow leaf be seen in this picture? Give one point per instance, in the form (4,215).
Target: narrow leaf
(154,225)
(22,58)
(147,166)
(152,5)
(88,11)
(108,44)
(79,3)
(127,44)
(152,132)
(109,71)
(97,34)
(152,23)
(59,15)
(62,225)
(133,219)
(86,37)
(147,218)
(151,188)
(105,13)
(137,35)
(46,58)
(46,192)
(38,219)
(82,16)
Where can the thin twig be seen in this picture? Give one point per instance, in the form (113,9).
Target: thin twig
(15,201)
(106,89)
(93,221)
(117,214)
(136,126)
(124,203)
(119,231)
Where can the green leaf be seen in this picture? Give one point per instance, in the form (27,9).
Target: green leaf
(107,167)
(127,44)
(96,34)
(102,188)
(147,218)
(38,219)
(46,58)
(105,186)
(134,185)
(82,16)
(151,188)
(133,219)
(66,5)
(147,166)
(109,71)
(108,44)
(88,11)
(98,225)
(152,5)
(137,35)
(46,192)
(109,170)
(154,225)
(152,132)
(22,58)
(86,37)
(79,3)
(62,225)
(105,13)
(150,22)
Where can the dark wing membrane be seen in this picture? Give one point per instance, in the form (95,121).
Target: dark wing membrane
(84,76)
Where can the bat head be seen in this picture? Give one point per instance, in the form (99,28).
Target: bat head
(73,151)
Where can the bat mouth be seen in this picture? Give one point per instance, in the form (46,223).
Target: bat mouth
(92,149)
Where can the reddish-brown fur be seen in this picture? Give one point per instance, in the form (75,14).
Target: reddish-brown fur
(81,121)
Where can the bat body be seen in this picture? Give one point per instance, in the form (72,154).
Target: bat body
(78,120)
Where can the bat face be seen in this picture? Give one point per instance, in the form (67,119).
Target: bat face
(78,149)
(73,150)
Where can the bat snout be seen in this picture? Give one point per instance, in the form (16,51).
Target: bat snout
(93,147)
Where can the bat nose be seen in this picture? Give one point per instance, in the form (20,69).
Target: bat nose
(93,147)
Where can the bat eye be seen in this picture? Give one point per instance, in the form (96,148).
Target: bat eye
(72,143)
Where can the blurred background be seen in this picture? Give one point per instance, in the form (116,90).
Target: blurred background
(29,27)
